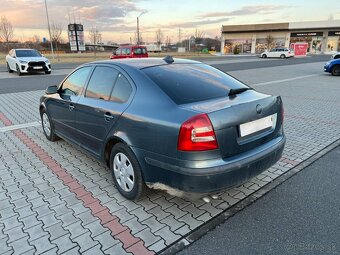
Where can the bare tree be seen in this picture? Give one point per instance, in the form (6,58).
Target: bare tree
(159,37)
(199,33)
(95,38)
(269,41)
(36,38)
(6,30)
(56,31)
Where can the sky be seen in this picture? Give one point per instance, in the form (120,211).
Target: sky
(116,19)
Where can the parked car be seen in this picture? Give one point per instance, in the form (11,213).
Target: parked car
(278,53)
(27,61)
(336,55)
(333,67)
(130,52)
(171,124)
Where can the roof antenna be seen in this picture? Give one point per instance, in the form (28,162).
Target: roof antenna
(169,59)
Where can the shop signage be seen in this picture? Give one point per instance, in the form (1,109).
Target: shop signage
(306,34)
(334,33)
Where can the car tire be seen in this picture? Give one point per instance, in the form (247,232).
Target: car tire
(126,172)
(264,56)
(18,70)
(336,70)
(47,72)
(9,69)
(283,56)
(48,127)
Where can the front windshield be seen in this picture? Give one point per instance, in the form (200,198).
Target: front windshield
(27,53)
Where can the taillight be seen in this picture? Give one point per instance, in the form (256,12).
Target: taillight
(282,113)
(197,134)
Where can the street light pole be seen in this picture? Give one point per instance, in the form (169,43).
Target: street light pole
(138,35)
(49,29)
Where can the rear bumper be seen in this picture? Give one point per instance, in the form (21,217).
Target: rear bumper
(211,175)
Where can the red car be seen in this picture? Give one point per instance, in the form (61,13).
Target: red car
(130,52)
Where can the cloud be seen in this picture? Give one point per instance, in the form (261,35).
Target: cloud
(246,10)
(201,22)
(31,13)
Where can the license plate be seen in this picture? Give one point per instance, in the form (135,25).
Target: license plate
(37,67)
(257,125)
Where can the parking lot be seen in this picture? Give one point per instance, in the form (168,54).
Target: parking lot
(54,198)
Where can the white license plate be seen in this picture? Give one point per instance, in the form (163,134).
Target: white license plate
(257,125)
(37,67)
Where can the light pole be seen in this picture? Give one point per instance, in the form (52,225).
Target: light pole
(49,29)
(138,37)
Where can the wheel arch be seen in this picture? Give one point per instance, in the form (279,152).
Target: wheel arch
(110,142)
(334,66)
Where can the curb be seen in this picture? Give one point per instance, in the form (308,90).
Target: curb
(224,216)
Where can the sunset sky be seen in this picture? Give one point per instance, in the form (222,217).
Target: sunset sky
(116,19)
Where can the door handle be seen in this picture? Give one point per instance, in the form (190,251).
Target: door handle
(108,116)
(71,107)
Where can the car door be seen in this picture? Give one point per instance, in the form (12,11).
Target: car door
(271,53)
(62,107)
(104,100)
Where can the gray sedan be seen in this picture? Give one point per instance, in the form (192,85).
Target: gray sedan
(171,124)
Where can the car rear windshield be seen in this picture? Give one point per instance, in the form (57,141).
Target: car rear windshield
(27,53)
(189,83)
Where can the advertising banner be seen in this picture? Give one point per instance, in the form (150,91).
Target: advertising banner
(76,37)
(300,49)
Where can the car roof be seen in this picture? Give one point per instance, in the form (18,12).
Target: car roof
(24,49)
(141,63)
(132,46)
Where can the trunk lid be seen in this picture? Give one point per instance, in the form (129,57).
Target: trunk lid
(230,117)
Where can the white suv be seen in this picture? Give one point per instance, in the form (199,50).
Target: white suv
(26,61)
(278,53)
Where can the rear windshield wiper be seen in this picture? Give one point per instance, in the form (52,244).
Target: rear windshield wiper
(233,92)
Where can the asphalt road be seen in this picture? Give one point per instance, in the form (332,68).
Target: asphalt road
(227,64)
(301,216)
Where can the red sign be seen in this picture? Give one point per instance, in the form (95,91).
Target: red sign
(300,49)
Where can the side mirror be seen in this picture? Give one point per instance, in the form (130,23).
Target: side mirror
(42,55)
(51,89)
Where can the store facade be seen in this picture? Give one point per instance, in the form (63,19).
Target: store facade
(321,37)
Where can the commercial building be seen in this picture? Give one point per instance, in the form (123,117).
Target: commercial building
(321,36)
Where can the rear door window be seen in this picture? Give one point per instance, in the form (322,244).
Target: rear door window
(101,83)
(139,51)
(188,83)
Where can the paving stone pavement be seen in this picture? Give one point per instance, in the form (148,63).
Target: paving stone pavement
(54,198)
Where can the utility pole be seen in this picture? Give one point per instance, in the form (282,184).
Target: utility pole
(138,30)
(138,36)
(179,36)
(49,29)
